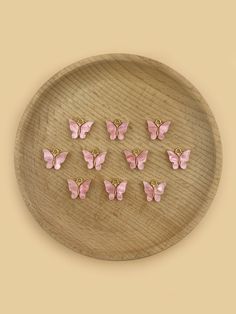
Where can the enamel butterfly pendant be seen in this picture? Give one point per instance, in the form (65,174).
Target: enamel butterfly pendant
(178,158)
(115,189)
(117,129)
(136,158)
(158,129)
(78,188)
(94,159)
(154,190)
(80,128)
(54,158)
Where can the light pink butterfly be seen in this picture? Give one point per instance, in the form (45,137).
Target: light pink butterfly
(154,190)
(178,158)
(158,129)
(115,189)
(80,128)
(117,129)
(54,158)
(95,159)
(78,188)
(136,158)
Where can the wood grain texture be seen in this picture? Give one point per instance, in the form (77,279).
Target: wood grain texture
(134,89)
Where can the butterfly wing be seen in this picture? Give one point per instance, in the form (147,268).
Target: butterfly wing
(111,129)
(83,189)
(48,158)
(74,129)
(174,159)
(73,188)
(153,129)
(141,159)
(163,129)
(99,160)
(120,190)
(184,158)
(131,159)
(122,129)
(85,128)
(88,157)
(159,190)
(148,189)
(59,159)
(110,189)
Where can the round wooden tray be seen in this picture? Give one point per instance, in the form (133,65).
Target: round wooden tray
(134,89)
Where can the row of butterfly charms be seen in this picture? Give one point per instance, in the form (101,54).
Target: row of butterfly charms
(115,189)
(117,129)
(136,158)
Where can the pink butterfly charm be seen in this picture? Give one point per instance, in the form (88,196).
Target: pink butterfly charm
(80,128)
(115,189)
(136,158)
(154,190)
(54,158)
(117,129)
(158,129)
(78,188)
(178,158)
(95,159)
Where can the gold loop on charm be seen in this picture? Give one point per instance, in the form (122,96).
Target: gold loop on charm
(117,122)
(153,182)
(79,180)
(115,181)
(178,151)
(95,152)
(158,122)
(80,121)
(136,151)
(55,151)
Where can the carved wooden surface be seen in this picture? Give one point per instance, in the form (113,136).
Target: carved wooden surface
(133,89)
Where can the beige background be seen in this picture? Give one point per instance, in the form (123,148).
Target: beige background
(196,38)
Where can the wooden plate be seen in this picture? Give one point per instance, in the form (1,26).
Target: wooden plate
(134,89)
